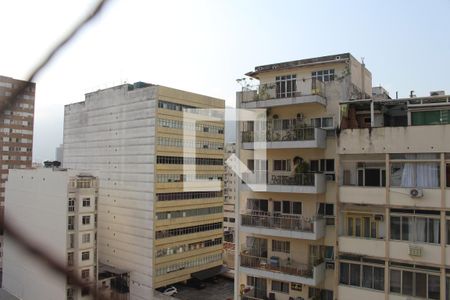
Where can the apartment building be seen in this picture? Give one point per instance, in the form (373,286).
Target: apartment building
(160,160)
(352,200)
(230,195)
(56,209)
(16,134)
(287,205)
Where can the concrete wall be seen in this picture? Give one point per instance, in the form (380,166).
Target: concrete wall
(114,131)
(36,204)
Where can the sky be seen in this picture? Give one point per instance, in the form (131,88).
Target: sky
(204,46)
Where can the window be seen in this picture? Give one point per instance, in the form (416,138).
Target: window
(365,226)
(85,255)
(282,165)
(86,202)
(258,205)
(281,246)
(86,220)
(323,75)
(435,117)
(415,228)
(71,204)
(187,230)
(86,238)
(70,259)
(422,174)
(288,207)
(187,195)
(324,122)
(71,222)
(326,209)
(85,274)
(410,282)
(280,286)
(85,291)
(286,86)
(362,275)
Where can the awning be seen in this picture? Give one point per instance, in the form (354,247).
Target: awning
(208,273)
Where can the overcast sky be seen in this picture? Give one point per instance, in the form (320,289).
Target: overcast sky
(204,46)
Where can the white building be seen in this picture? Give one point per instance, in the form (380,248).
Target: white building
(56,210)
(229,193)
(160,211)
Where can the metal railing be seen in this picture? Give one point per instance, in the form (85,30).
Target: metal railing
(282,135)
(278,222)
(260,177)
(279,90)
(285,266)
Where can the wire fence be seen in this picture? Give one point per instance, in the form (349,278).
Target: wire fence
(6,226)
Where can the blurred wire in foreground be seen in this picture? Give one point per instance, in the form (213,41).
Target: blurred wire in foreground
(8,228)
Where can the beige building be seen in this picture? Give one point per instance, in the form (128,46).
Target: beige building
(56,209)
(351,202)
(16,134)
(161,190)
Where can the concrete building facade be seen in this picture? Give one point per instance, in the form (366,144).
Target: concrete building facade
(56,210)
(351,202)
(160,192)
(16,134)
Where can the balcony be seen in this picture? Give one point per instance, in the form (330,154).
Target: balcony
(282,270)
(271,94)
(307,183)
(307,137)
(284,226)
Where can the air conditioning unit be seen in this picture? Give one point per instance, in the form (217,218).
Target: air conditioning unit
(416,193)
(415,250)
(379,218)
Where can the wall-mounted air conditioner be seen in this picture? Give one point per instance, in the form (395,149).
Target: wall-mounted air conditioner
(416,193)
(415,250)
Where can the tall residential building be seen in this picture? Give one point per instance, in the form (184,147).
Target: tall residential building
(357,200)
(230,194)
(287,209)
(16,134)
(160,190)
(56,210)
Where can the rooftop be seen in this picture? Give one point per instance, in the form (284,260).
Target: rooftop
(300,63)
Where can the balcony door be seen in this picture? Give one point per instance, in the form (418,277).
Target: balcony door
(372,177)
(256,246)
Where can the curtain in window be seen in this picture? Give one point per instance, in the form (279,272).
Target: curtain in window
(408,172)
(434,230)
(355,275)
(427,173)
(421,229)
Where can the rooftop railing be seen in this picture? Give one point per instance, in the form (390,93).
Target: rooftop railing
(283,89)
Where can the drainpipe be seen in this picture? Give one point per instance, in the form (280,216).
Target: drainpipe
(363,83)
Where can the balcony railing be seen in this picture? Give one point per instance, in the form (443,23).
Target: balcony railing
(282,135)
(301,179)
(278,90)
(278,222)
(285,266)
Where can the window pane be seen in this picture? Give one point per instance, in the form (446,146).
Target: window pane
(350,226)
(367,277)
(378,274)
(358,227)
(407,228)
(395,228)
(366,227)
(286,207)
(355,275)
(433,287)
(434,231)
(395,281)
(421,285)
(407,283)
(297,208)
(421,229)
(344,272)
